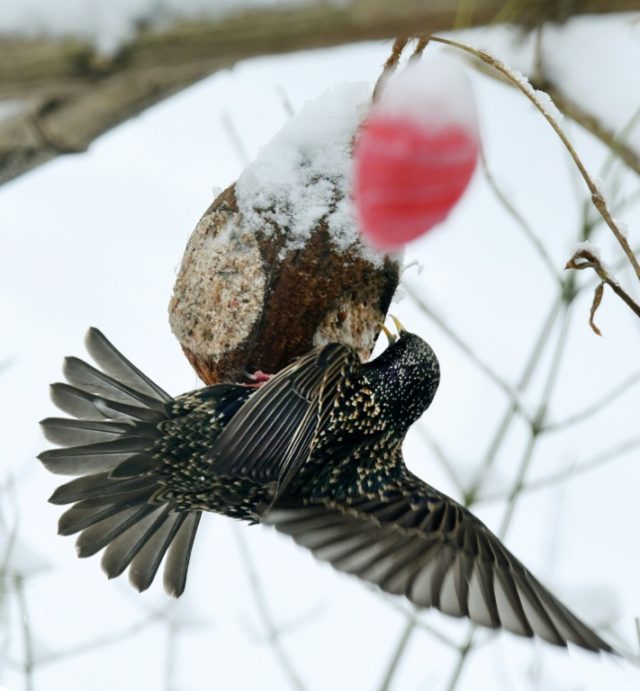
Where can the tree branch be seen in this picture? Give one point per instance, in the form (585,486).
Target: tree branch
(73,95)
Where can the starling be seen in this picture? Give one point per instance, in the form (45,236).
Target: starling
(316,452)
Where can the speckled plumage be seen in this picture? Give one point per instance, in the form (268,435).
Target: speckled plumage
(316,452)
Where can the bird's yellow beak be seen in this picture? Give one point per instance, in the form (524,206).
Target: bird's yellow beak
(398,324)
(392,338)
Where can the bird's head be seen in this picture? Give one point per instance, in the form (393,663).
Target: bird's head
(404,377)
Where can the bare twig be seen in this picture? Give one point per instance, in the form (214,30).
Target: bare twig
(594,408)
(597,299)
(102,641)
(630,200)
(527,374)
(170,656)
(390,66)
(521,222)
(586,119)
(553,479)
(517,488)
(396,657)
(422,625)
(620,149)
(586,259)
(465,649)
(273,631)
(594,463)
(615,142)
(27,638)
(421,44)
(596,195)
(440,455)
(464,347)
(284,100)
(525,462)
(235,139)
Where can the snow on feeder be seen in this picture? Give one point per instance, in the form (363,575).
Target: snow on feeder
(277,264)
(415,153)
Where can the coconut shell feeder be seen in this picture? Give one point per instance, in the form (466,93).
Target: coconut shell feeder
(252,292)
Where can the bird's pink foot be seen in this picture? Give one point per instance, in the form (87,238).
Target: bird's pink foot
(257,378)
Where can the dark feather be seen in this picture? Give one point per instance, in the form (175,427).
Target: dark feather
(111,449)
(179,554)
(271,435)
(140,464)
(114,363)
(125,546)
(88,378)
(99,535)
(145,564)
(98,485)
(68,432)
(92,458)
(88,406)
(449,559)
(90,511)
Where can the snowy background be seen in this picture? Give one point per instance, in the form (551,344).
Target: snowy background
(96,239)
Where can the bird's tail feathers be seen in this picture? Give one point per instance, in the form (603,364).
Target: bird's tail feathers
(116,415)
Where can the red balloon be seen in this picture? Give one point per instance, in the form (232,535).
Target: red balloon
(409,175)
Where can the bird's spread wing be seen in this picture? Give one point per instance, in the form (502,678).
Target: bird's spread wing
(420,543)
(270,437)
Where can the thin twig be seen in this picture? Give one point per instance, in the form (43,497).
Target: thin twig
(596,195)
(631,199)
(618,266)
(525,462)
(585,259)
(593,408)
(521,222)
(516,491)
(553,479)
(615,142)
(422,625)
(445,462)
(100,642)
(27,638)
(390,66)
(273,632)
(465,649)
(594,463)
(396,657)
(614,152)
(170,657)
(423,42)
(284,100)
(462,345)
(586,119)
(235,139)
(527,374)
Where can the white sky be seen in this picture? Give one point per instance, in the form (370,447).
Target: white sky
(96,239)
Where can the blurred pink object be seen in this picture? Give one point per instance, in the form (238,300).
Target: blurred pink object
(415,154)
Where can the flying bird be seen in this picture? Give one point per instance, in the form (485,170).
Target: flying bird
(315,451)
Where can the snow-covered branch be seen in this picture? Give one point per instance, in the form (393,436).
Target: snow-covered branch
(68,90)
